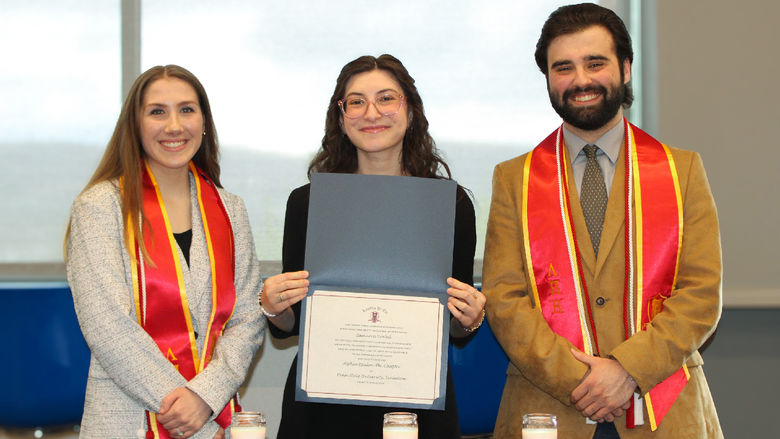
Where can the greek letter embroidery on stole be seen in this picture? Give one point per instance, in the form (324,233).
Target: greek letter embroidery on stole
(554,282)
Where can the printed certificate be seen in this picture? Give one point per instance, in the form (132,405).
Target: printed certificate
(374,326)
(379,347)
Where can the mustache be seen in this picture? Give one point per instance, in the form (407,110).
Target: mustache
(591,88)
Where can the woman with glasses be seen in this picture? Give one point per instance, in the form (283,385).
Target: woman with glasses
(375,124)
(163,270)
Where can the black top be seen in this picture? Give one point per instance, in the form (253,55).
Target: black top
(315,420)
(184,239)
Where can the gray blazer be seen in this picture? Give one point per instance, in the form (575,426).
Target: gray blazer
(128,374)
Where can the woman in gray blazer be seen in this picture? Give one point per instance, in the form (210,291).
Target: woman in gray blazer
(164,275)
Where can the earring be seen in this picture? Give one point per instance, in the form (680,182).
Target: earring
(204,132)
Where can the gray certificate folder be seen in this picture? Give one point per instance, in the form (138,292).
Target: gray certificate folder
(380,234)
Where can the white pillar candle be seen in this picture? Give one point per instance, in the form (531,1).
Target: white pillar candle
(399,432)
(247,432)
(540,426)
(540,433)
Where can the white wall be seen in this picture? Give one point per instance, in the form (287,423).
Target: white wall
(718,95)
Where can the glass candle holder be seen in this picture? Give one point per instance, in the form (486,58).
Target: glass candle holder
(247,425)
(540,426)
(399,425)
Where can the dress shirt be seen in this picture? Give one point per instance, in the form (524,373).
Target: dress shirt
(609,148)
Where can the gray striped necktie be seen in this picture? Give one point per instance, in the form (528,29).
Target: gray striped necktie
(593,196)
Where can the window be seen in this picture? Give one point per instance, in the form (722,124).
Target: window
(60,91)
(269,68)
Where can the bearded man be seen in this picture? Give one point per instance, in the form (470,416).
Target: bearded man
(602,259)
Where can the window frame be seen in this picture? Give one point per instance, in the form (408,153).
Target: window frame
(639,16)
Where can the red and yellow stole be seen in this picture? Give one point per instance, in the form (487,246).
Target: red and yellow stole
(555,266)
(161,302)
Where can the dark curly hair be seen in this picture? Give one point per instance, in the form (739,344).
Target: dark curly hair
(419,157)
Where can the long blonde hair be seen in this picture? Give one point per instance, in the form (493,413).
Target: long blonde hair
(122,158)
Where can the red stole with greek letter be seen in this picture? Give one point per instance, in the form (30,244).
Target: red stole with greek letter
(160,298)
(555,265)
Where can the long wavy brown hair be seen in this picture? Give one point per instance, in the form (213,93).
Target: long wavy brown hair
(419,156)
(123,156)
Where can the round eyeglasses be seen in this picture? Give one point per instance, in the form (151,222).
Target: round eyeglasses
(387,103)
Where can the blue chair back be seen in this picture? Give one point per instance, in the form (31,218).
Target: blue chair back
(479,375)
(43,374)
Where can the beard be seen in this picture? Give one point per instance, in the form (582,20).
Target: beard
(593,117)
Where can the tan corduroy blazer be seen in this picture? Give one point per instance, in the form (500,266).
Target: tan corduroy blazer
(542,372)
